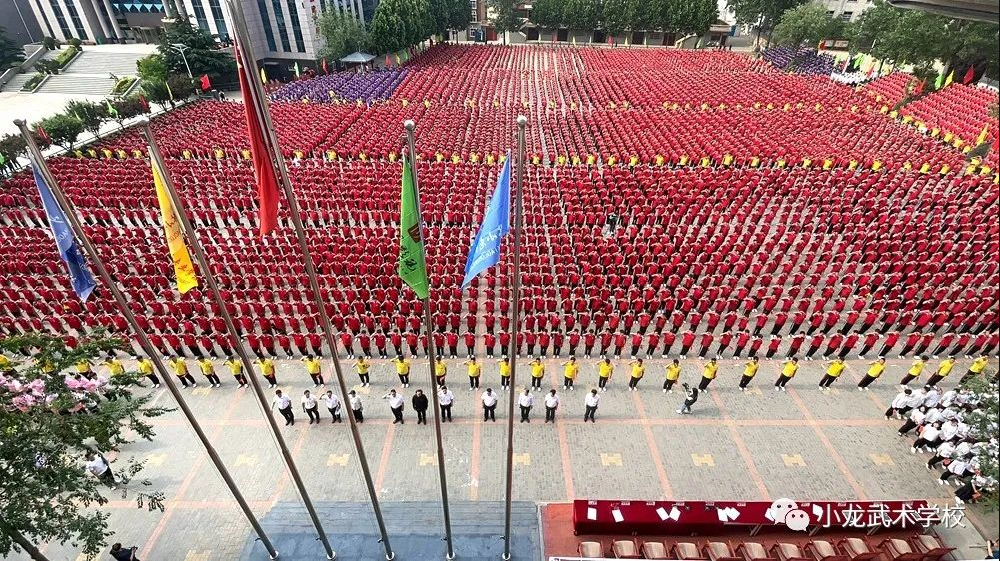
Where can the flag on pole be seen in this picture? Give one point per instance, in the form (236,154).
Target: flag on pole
(950,78)
(939,81)
(79,275)
(263,167)
(206,84)
(263,76)
(298,72)
(186,278)
(969,75)
(170,92)
(111,109)
(143,103)
(485,250)
(412,265)
(325,70)
(983,135)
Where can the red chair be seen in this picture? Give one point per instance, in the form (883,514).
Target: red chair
(753,551)
(788,552)
(654,550)
(930,546)
(900,550)
(822,550)
(686,550)
(719,551)
(857,549)
(625,549)
(590,550)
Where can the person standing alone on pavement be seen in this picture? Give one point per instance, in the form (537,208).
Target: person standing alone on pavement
(445,400)
(691,399)
(551,404)
(284,406)
(420,404)
(489,405)
(591,402)
(525,402)
(99,467)
(396,403)
(310,405)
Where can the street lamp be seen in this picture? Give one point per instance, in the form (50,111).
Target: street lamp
(181,48)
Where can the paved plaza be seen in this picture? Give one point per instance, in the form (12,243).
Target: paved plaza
(756,445)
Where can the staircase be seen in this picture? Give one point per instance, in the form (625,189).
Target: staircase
(17,82)
(91,73)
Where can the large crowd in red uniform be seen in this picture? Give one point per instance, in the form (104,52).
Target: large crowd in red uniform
(754,212)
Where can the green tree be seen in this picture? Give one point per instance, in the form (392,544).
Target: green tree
(762,14)
(983,424)
(91,114)
(807,24)
(62,129)
(181,87)
(50,43)
(156,92)
(50,421)
(342,33)
(203,52)
(459,15)
(387,32)
(128,107)
(505,18)
(12,147)
(581,14)
(10,54)
(547,14)
(152,67)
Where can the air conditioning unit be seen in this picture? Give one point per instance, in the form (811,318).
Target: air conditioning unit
(979,10)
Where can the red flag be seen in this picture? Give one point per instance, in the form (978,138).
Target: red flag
(144,103)
(43,135)
(206,84)
(969,75)
(263,167)
(388,61)
(920,88)
(325,71)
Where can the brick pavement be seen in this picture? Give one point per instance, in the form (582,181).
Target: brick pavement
(754,445)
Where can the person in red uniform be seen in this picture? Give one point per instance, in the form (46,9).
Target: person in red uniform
(832,344)
(911,342)
(687,339)
(652,342)
(620,340)
(557,342)
(316,342)
(589,340)
(573,341)
(530,339)
(795,344)
(452,340)
(868,344)
(411,342)
(396,340)
(636,340)
(347,342)
(849,342)
(779,322)
(668,342)
(606,338)
(925,342)
(724,341)
(891,339)
(706,343)
(380,341)
(772,346)
(504,339)
(543,343)
(469,339)
(742,338)
(490,342)
(755,344)
(814,345)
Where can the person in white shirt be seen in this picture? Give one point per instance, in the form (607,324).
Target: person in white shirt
(332,403)
(591,402)
(489,405)
(916,418)
(311,407)
(958,467)
(948,397)
(525,401)
(933,397)
(97,465)
(898,403)
(930,437)
(551,404)
(935,415)
(284,406)
(445,399)
(396,403)
(916,399)
(357,408)
(943,452)
(949,430)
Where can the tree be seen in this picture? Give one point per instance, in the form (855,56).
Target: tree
(505,18)
(156,92)
(50,43)
(615,17)
(342,33)
(922,39)
(50,420)
(459,15)
(547,14)
(128,107)
(181,87)
(807,24)
(91,114)
(762,14)
(152,67)
(581,14)
(982,422)
(203,53)
(387,32)
(11,54)
(62,129)
(12,147)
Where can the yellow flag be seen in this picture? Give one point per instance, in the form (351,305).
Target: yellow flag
(983,135)
(950,78)
(186,279)
(263,76)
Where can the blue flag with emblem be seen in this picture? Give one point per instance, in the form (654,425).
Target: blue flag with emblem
(485,250)
(79,274)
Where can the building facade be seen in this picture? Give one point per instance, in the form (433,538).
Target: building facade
(847,10)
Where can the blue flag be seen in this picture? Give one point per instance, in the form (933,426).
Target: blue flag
(79,274)
(485,250)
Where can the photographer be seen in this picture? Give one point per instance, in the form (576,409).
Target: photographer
(124,554)
(692,397)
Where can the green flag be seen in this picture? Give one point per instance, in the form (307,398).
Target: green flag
(298,72)
(111,109)
(939,81)
(412,267)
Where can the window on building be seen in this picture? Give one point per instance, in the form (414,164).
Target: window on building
(199,15)
(74,15)
(266,22)
(846,16)
(45,19)
(293,12)
(830,13)
(279,19)
(61,19)
(220,20)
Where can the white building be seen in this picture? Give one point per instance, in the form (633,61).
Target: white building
(847,10)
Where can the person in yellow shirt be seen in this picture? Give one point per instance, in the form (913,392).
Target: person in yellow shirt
(750,368)
(181,369)
(208,369)
(235,367)
(604,371)
(315,369)
(638,371)
(570,370)
(114,366)
(708,374)
(833,371)
(402,370)
(362,366)
(440,371)
(673,374)
(267,371)
(475,369)
(942,371)
(504,372)
(975,369)
(875,369)
(145,367)
(84,368)
(537,373)
(915,370)
(5,364)
(788,371)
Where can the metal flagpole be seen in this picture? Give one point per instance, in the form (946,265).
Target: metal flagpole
(147,347)
(515,312)
(234,339)
(256,90)
(409,125)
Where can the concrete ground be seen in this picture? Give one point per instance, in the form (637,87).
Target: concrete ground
(758,445)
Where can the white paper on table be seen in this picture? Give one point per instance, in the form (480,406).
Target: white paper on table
(675,514)
(662,513)
(591,513)
(723,514)
(618,515)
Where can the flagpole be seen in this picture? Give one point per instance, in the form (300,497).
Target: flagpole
(515,312)
(246,52)
(409,125)
(147,346)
